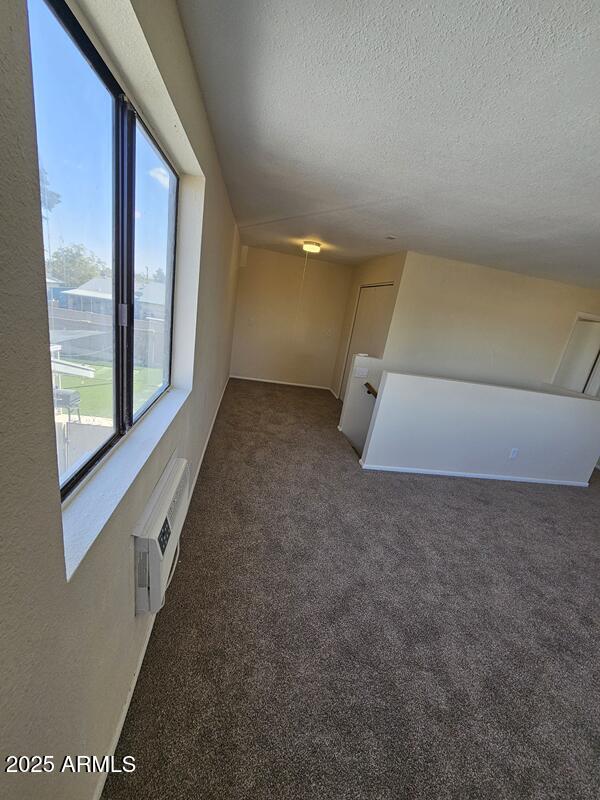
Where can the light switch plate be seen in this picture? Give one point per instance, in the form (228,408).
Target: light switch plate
(361,372)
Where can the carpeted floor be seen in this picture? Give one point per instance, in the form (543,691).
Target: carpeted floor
(334,633)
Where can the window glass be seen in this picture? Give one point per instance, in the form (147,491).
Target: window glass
(155,201)
(74,118)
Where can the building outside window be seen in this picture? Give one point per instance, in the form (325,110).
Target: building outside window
(108,204)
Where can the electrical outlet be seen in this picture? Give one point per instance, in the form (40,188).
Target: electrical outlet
(514,453)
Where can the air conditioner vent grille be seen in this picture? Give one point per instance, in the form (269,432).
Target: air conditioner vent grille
(180,495)
(142,569)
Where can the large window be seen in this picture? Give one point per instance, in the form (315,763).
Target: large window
(109,199)
(155,207)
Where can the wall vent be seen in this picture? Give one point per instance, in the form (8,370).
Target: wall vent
(157,535)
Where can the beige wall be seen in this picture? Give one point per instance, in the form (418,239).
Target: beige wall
(286,329)
(423,424)
(70,651)
(468,321)
(384,269)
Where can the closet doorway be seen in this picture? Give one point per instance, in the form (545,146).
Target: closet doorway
(579,368)
(372,317)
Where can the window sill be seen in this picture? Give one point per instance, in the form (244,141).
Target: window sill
(88,508)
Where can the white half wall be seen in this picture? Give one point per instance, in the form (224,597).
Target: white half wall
(454,427)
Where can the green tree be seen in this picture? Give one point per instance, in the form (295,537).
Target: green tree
(159,275)
(50,199)
(73,264)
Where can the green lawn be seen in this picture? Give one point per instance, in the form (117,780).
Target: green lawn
(97,392)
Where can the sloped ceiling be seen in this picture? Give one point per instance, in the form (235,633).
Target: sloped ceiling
(464,128)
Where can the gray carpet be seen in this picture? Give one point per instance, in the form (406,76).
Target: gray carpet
(334,633)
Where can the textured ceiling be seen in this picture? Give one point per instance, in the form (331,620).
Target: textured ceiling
(465,128)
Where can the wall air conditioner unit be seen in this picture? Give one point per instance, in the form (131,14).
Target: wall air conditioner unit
(157,536)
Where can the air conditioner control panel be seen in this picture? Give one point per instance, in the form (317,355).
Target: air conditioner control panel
(164,536)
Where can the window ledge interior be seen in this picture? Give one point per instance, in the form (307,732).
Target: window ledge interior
(87,510)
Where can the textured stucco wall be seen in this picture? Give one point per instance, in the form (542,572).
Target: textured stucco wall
(288,328)
(70,650)
(467,321)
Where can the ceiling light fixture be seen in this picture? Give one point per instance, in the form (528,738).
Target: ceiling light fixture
(311,247)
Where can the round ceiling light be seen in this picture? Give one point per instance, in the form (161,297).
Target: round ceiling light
(312,247)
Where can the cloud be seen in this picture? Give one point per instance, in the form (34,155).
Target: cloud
(161,175)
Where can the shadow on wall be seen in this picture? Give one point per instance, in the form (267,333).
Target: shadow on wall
(288,319)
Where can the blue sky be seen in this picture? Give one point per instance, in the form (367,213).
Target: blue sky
(74,115)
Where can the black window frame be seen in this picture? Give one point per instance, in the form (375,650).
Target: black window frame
(125,118)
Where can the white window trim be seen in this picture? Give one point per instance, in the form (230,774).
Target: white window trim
(89,507)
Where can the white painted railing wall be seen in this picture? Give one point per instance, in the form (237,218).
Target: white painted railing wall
(454,427)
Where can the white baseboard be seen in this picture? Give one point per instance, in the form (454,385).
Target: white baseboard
(210,430)
(451,474)
(115,740)
(283,383)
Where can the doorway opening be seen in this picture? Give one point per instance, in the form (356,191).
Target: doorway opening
(372,316)
(579,368)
